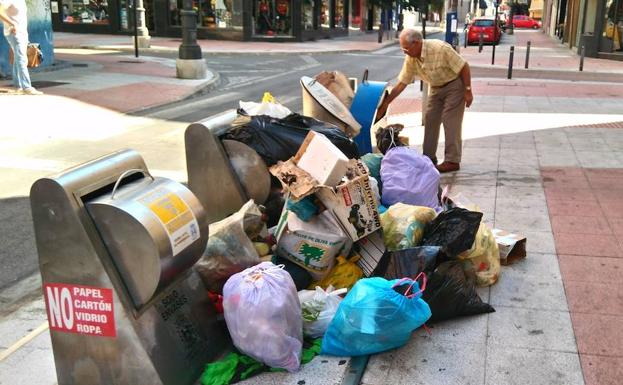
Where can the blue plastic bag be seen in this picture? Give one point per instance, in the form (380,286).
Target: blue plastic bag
(410,178)
(375,317)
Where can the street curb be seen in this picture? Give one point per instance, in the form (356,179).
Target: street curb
(209,53)
(198,91)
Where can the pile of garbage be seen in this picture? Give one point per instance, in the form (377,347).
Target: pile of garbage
(349,254)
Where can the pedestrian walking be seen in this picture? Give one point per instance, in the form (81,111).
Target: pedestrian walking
(448,74)
(13,16)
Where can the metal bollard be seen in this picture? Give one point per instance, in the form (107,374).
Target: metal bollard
(480,41)
(380,32)
(465,39)
(493,54)
(582,59)
(510,62)
(527,55)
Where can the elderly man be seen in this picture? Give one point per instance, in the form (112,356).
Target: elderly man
(448,75)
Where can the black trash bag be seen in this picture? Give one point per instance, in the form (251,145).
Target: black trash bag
(454,230)
(451,293)
(388,137)
(407,262)
(279,139)
(301,277)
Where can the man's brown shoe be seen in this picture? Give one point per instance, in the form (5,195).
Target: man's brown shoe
(448,167)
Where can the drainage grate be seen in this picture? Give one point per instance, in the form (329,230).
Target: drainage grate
(79,65)
(47,84)
(131,61)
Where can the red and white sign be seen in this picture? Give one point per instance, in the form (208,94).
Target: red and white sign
(80,309)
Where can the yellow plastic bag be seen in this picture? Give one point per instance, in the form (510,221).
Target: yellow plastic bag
(483,258)
(343,275)
(403,225)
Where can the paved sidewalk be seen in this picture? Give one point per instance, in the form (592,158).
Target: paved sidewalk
(355,42)
(102,70)
(541,157)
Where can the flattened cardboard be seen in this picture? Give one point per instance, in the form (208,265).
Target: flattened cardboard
(512,246)
(371,250)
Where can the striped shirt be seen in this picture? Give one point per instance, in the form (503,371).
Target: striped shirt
(438,64)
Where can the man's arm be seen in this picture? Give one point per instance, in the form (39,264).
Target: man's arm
(466,76)
(396,90)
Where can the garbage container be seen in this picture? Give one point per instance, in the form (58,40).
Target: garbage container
(115,249)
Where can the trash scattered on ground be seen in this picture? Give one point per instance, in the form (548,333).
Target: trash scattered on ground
(373,244)
(230,248)
(403,225)
(374,317)
(409,177)
(512,246)
(450,293)
(319,307)
(261,304)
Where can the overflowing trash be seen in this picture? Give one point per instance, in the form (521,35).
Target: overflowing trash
(355,251)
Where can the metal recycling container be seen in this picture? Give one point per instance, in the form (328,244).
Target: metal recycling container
(367,99)
(154,229)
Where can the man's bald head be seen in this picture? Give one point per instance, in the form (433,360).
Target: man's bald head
(410,35)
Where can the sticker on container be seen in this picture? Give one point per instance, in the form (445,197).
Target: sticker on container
(175,215)
(80,309)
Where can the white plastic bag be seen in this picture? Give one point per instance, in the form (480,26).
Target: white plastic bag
(319,307)
(274,110)
(263,315)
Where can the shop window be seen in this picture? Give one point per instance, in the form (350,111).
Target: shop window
(355,14)
(324,13)
(85,12)
(613,27)
(175,6)
(339,14)
(215,13)
(308,14)
(273,18)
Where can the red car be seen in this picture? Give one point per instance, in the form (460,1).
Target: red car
(491,31)
(521,21)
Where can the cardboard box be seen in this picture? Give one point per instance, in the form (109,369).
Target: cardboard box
(352,202)
(512,246)
(321,159)
(313,245)
(371,250)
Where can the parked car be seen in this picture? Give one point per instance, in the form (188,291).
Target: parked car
(491,31)
(522,21)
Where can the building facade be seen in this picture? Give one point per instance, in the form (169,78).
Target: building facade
(596,25)
(277,20)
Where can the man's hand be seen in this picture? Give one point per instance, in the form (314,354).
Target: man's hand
(381,111)
(469,98)
(13,29)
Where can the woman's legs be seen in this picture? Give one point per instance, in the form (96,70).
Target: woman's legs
(21,78)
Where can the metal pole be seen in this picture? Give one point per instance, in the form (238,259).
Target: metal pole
(493,54)
(465,38)
(135,29)
(480,41)
(189,49)
(582,59)
(527,55)
(510,62)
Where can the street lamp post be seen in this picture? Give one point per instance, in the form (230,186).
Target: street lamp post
(190,63)
(141,32)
